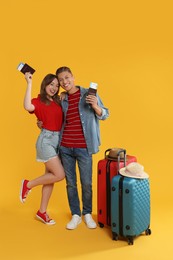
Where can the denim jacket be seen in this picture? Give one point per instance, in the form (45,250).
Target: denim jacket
(89,120)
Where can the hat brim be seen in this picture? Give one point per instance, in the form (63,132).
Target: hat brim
(123,172)
(113,158)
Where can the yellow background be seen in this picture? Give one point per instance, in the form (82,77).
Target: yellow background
(125,46)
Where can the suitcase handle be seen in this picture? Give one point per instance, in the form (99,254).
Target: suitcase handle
(118,156)
(119,152)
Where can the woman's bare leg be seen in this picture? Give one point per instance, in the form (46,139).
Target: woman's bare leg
(54,173)
(46,194)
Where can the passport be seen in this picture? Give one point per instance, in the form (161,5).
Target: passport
(24,67)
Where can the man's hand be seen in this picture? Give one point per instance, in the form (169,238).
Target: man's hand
(39,124)
(62,95)
(93,101)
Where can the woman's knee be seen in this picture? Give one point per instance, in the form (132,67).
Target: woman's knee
(59,176)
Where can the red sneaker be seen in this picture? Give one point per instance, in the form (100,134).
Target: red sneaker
(45,218)
(24,191)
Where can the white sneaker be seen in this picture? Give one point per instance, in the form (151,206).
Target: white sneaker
(75,221)
(89,221)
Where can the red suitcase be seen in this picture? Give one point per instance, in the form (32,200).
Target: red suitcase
(107,169)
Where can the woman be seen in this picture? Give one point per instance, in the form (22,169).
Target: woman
(47,109)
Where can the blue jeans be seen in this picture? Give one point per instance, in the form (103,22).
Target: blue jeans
(69,157)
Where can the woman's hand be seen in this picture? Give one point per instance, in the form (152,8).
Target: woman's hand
(28,77)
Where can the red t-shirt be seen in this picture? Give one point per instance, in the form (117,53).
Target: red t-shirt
(73,133)
(51,115)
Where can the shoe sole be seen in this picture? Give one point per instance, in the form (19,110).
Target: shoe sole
(23,200)
(47,223)
(21,188)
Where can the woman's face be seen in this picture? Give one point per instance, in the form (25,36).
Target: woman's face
(52,88)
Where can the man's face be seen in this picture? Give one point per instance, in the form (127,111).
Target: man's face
(66,80)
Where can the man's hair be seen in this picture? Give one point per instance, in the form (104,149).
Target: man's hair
(62,69)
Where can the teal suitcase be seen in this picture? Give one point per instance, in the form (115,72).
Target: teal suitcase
(130,207)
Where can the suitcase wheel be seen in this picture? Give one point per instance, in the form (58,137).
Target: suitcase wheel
(101,225)
(148,231)
(114,236)
(130,240)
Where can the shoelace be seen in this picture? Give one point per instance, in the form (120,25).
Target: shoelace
(47,217)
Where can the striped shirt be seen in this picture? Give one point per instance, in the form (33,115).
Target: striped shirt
(73,133)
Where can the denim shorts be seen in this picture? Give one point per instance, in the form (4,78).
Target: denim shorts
(47,145)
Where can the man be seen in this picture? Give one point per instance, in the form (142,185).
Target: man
(79,140)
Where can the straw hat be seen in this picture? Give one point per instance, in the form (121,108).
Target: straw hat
(134,170)
(113,154)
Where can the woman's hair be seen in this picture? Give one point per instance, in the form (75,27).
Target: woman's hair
(45,82)
(62,69)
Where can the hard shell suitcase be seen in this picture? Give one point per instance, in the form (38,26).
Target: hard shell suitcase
(107,169)
(130,207)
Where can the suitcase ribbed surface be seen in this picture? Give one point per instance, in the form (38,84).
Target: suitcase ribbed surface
(136,210)
(132,217)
